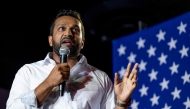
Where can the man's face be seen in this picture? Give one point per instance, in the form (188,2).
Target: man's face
(67,32)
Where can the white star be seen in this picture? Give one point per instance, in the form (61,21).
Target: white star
(142,66)
(162,59)
(143,90)
(135,104)
(151,51)
(172,44)
(166,106)
(164,84)
(132,57)
(182,27)
(122,72)
(183,51)
(175,93)
(187,103)
(154,99)
(160,35)
(174,67)
(121,50)
(140,43)
(152,75)
(186,77)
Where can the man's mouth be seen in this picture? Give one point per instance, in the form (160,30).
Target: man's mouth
(67,42)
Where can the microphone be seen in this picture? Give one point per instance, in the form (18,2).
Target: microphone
(64,52)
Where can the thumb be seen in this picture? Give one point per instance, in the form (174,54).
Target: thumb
(116,79)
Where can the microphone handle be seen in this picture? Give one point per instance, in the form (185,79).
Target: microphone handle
(63,59)
(61,88)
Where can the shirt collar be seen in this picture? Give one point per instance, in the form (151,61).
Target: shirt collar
(82,60)
(80,67)
(48,60)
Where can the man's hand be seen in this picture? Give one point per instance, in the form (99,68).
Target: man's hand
(59,73)
(123,89)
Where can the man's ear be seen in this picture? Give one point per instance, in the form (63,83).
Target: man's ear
(50,39)
(83,40)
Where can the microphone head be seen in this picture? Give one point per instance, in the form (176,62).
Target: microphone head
(64,50)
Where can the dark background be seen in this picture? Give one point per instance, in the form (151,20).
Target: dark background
(25,28)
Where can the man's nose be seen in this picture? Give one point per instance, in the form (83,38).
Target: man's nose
(68,32)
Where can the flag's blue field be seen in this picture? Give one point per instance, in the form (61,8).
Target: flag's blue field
(163,54)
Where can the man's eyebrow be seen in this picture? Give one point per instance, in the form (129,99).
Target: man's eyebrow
(75,25)
(61,25)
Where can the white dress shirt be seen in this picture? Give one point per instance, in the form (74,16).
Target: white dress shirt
(87,88)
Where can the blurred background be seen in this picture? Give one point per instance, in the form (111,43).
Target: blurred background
(25,29)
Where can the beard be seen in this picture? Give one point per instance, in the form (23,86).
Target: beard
(74,49)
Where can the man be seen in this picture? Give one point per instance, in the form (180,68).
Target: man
(36,85)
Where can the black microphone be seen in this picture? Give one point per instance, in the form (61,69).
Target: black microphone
(64,52)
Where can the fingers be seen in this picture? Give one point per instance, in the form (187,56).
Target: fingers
(63,67)
(64,70)
(128,70)
(60,73)
(116,79)
(135,66)
(134,81)
(133,74)
(134,84)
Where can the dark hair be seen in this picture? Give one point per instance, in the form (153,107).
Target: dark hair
(71,13)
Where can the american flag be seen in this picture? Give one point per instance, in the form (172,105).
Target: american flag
(163,54)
